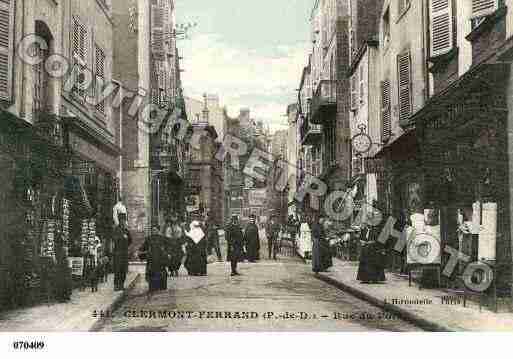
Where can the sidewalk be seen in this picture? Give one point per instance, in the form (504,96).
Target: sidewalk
(435,316)
(75,315)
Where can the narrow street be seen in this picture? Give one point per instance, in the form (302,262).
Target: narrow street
(287,288)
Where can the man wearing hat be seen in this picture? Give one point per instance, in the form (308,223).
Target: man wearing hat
(252,240)
(235,240)
(272,231)
(122,241)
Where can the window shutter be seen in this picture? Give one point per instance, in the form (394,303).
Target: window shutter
(386,119)
(441,26)
(362,86)
(404,77)
(354,91)
(100,77)
(6,48)
(484,7)
(157,32)
(80,52)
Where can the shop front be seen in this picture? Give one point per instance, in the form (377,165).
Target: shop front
(463,140)
(51,212)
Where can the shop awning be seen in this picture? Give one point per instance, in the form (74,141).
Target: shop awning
(489,74)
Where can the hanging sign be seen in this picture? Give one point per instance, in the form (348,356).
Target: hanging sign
(77,265)
(66,205)
(488,232)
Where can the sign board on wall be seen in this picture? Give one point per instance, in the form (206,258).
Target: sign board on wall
(257,197)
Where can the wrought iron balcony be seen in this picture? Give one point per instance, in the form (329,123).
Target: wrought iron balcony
(310,133)
(324,102)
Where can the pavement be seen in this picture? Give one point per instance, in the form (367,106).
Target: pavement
(282,295)
(77,315)
(445,311)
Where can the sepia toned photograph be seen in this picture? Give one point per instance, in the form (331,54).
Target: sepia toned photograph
(271,166)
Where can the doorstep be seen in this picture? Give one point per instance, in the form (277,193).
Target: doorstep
(430,309)
(76,315)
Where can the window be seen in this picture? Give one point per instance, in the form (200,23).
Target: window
(6,48)
(80,56)
(386,28)
(386,120)
(441,26)
(404,85)
(99,79)
(158,16)
(40,80)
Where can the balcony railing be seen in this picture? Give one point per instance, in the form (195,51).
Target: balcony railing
(310,133)
(324,101)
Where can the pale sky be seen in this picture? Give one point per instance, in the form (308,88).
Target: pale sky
(250,53)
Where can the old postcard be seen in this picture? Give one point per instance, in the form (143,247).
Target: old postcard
(255,166)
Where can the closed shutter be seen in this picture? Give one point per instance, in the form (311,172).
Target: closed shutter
(362,86)
(404,77)
(6,48)
(441,26)
(484,7)
(157,32)
(386,119)
(100,78)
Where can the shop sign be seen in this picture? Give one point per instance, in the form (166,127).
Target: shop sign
(257,197)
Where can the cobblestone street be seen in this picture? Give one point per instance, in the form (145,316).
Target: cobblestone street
(287,288)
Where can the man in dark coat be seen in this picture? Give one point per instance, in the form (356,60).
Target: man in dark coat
(122,240)
(235,240)
(272,232)
(252,240)
(213,237)
(155,253)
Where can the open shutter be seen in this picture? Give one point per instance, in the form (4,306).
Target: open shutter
(441,26)
(484,7)
(404,77)
(386,119)
(100,78)
(80,53)
(157,32)
(6,48)
(354,91)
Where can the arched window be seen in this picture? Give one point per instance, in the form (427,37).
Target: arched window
(42,85)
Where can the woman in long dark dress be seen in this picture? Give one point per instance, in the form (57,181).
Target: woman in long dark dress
(174,236)
(321,253)
(155,253)
(372,256)
(196,262)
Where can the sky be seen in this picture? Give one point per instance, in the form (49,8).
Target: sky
(250,53)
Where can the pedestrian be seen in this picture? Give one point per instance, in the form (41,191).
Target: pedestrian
(252,240)
(321,253)
(175,241)
(122,241)
(196,261)
(371,268)
(155,253)
(235,240)
(213,237)
(272,232)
